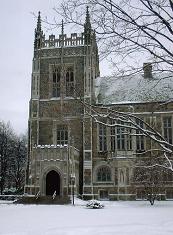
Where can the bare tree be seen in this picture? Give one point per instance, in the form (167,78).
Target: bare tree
(18,164)
(128,30)
(131,124)
(12,158)
(149,181)
(6,152)
(150,165)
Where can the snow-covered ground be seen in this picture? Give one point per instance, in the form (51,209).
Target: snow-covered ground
(117,218)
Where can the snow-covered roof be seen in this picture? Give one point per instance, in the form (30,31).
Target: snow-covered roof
(132,89)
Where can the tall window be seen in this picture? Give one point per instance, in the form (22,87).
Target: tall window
(120,138)
(127,176)
(121,177)
(112,136)
(129,139)
(124,139)
(139,137)
(56,82)
(167,129)
(35,85)
(104,174)
(102,138)
(62,135)
(69,82)
(67,74)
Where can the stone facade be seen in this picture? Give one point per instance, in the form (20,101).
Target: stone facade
(63,73)
(66,146)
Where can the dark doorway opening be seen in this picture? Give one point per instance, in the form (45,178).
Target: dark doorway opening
(52,183)
(104,194)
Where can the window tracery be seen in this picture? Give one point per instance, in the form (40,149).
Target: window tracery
(104,174)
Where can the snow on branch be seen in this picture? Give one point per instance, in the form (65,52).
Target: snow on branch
(110,117)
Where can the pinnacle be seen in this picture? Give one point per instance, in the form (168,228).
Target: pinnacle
(39,22)
(62,27)
(87,20)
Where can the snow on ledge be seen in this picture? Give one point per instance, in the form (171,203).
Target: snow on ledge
(54,146)
(50,146)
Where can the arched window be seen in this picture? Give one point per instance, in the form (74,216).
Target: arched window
(104,174)
(122,177)
(69,82)
(127,176)
(56,82)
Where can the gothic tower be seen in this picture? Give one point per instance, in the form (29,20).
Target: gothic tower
(60,131)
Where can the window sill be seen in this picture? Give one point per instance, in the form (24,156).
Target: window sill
(65,98)
(55,98)
(104,182)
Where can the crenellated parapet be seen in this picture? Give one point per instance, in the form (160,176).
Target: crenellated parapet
(64,41)
(87,37)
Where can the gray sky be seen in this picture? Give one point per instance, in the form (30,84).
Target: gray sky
(16,51)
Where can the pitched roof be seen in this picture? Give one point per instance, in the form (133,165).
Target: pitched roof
(136,88)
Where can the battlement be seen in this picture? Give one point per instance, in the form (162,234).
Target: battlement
(63,41)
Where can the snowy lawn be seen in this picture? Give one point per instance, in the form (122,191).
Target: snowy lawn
(117,218)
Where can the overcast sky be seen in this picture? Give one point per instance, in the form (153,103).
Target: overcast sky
(16,52)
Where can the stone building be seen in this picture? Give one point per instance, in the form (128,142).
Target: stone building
(66,147)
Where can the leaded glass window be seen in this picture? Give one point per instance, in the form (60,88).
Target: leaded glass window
(102,138)
(69,82)
(104,174)
(140,137)
(112,136)
(62,135)
(167,129)
(56,82)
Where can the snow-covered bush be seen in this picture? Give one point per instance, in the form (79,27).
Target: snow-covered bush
(94,204)
(9,191)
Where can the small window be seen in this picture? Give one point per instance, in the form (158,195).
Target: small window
(121,177)
(104,194)
(62,136)
(104,174)
(87,156)
(169,193)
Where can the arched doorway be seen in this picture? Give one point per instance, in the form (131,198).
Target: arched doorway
(52,183)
